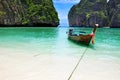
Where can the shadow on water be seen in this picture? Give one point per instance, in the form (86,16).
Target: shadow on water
(91,46)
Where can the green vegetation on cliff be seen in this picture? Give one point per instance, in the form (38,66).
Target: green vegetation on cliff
(88,12)
(114,13)
(28,12)
(2,13)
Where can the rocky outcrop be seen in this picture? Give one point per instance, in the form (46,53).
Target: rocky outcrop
(114,13)
(28,12)
(89,12)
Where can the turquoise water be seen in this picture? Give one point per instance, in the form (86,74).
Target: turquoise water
(53,41)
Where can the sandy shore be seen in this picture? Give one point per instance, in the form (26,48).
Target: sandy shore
(20,65)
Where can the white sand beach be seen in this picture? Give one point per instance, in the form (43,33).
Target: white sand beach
(19,65)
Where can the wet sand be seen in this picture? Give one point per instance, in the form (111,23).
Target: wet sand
(21,65)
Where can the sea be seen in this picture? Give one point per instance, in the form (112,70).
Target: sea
(54,41)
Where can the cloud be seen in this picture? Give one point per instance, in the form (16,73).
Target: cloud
(66,1)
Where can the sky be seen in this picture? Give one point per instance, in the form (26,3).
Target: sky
(63,7)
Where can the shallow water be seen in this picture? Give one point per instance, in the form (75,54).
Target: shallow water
(53,41)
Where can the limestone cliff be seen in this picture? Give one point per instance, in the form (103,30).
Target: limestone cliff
(88,12)
(28,12)
(114,13)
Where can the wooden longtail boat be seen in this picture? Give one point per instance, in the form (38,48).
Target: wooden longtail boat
(83,38)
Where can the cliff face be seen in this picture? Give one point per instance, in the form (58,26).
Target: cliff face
(114,13)
(28,12)
(88,12)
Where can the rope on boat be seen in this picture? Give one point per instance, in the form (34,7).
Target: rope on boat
(78,63)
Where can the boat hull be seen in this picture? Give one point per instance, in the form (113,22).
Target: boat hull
(81,38)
